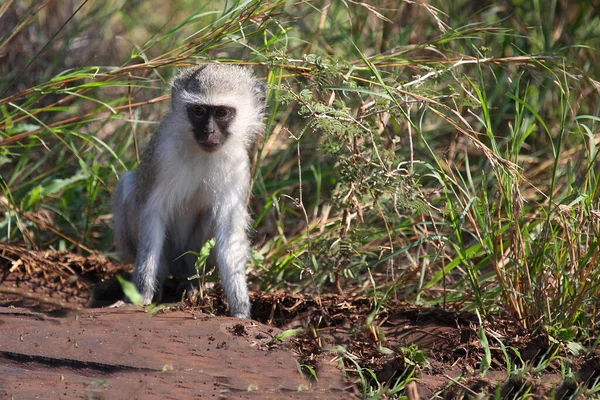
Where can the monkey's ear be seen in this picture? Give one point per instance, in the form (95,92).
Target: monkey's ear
(260,90)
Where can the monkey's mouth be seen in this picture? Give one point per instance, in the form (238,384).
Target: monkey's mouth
(209,147)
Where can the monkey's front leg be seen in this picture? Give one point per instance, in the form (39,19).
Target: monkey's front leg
(232,255)
(150,270)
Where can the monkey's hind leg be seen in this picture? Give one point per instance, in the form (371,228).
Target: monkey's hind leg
(124,220)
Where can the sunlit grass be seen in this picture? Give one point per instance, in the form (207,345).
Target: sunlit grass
(435,153)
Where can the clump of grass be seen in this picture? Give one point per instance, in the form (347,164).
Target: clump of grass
(441,154)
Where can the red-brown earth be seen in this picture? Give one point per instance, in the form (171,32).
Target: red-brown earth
(57,342)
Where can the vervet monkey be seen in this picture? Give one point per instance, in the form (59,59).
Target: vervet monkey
(192,184)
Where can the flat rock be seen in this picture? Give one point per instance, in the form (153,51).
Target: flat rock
(127,353)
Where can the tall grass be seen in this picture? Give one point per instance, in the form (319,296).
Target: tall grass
(437,153)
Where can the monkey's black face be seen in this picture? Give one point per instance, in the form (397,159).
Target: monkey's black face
(210,124)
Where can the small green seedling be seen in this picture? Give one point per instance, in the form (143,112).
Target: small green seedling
(130,291)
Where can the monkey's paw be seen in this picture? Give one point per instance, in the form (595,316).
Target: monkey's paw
(118,304)
(242,315)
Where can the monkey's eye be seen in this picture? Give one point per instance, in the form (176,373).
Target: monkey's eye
(198,110)
(222,112)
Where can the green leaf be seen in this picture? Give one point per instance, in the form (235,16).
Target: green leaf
(54,186)
(567,335)
(286,334)
(486,361)
(206,248)
(22,127)
(575,348)
(130,291)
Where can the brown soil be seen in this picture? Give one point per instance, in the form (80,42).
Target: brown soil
(56,343)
